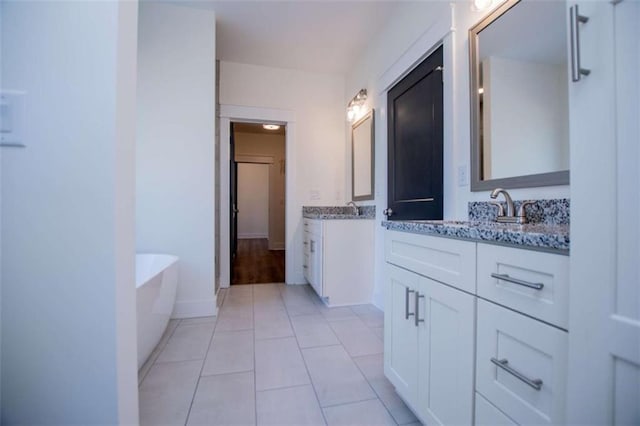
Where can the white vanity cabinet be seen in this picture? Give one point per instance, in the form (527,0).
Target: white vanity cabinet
(338,259)
(429,325)
(476,332)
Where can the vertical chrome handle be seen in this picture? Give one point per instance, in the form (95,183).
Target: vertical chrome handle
(504,364)
(313,246)
(407,314)
(417,308)
(576,19)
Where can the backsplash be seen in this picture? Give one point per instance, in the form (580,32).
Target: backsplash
(548,212)
(366,212)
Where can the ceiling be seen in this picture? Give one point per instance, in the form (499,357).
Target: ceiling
(256,128)
(318,36)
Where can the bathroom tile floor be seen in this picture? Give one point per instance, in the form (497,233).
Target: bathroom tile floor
(274,355)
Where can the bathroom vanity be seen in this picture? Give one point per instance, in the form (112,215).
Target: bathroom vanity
(476,319)
(338,253)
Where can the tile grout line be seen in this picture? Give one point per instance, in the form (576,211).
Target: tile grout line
(195,390)
(155,359)
(374,389)
(304,361)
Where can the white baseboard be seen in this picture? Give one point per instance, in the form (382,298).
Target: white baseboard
(194,308)
(276,245)
(252,236)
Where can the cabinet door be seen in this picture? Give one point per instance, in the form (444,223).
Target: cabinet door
(315,263)
(400,332)
(446,348)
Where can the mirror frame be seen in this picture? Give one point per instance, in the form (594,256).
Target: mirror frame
(355,125)
(477,183)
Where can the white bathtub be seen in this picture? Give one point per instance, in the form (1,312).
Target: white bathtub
(156,283)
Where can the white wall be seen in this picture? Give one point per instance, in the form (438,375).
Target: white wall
(317,101)
(526,116)
(253,200)
(68,290)
(271,146)
(409,34)
(175,147)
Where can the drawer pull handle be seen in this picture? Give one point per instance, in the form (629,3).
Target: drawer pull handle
(407,314)
(417,317)
(305,243)
(507,278)
(504,364)
(305,266)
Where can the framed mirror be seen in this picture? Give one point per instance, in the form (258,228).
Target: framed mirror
(520,96)
(362,158)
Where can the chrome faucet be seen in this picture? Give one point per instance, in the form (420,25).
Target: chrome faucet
(356,211)
(509,216)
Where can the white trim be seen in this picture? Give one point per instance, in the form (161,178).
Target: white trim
(195,308)
(278,245)
(261,236)
(293,238)
(255,159)
(419,50)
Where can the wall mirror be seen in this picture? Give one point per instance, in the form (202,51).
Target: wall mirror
(519,96)
(362,158)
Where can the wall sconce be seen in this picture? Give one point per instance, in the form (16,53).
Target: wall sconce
(356,105)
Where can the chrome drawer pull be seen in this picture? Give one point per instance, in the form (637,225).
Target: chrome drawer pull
(417,317)
(507,278)
(504,364)
(407,314)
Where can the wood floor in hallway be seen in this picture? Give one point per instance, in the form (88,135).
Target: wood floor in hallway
(256,264)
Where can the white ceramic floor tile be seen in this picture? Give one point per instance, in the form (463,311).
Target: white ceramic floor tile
(308,308)
(187,342)
(230,352)
(337,314)
(234,319)
(295,406)
(370,315)
(335,377)
(279,364)
(372,366)
(272,326)
(379,331)
(144,370)
(356,337)
(167,391)
(227,399)
(365,413)
(198,320)
(312,331)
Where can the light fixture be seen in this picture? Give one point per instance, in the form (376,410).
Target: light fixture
(480,5)
(356,105)
(271,126)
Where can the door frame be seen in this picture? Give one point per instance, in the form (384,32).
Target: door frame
(246,114)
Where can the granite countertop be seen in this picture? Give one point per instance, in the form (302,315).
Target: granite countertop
(338,213)
(541,236)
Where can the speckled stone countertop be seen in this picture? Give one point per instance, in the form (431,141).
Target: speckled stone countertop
(534,236)
(338,212)
(548,230)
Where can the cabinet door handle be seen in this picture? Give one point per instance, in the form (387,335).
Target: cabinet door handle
(417,310)
(504,364)
(576,19)
(407,314)
(507,278)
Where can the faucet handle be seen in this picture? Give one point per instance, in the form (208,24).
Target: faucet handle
(500,207)
(521,211)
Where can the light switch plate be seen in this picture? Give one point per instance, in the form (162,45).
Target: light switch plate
(463,175)
(12,116)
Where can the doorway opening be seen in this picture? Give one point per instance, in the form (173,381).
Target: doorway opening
(257,203)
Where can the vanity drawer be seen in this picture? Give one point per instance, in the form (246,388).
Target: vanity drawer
(312,226)
(488,415)
(449,261)
(532,282)
(513,352)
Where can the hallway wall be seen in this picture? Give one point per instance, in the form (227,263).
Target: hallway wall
(253,200)
(272,146)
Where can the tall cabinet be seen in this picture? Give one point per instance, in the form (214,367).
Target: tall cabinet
(604,343)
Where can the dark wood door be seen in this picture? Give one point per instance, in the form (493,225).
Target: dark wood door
(233,202)
(415,140)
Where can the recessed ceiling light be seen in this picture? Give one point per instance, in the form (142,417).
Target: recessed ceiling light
(271,126)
